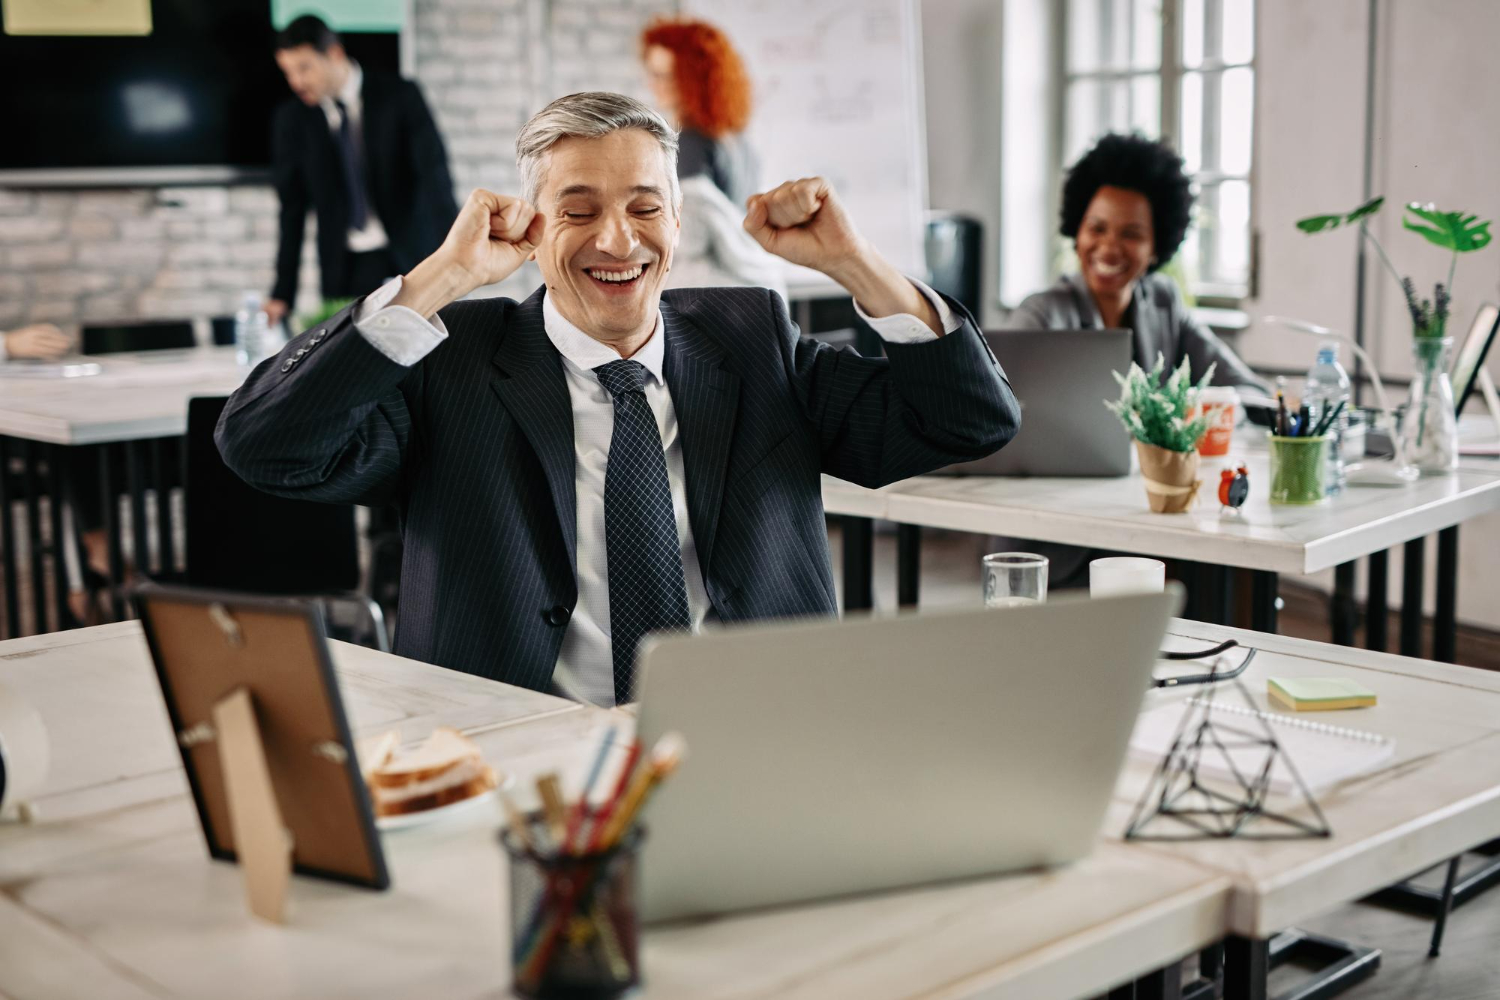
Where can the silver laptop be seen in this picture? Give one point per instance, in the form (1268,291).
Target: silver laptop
(826,758)
(1062,378)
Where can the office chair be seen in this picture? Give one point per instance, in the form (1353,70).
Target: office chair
(238,538)
(954,247)
(155,335)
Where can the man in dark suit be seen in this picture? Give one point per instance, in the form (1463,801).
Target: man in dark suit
(604,459)
(360,147)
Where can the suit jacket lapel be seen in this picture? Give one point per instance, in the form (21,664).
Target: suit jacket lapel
(535,391)
(705,397)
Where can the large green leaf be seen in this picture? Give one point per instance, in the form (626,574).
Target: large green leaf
(1453,231)
(1319,223)
(1368,208)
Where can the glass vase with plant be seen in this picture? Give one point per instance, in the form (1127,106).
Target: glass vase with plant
(1155,412)
(1429,427)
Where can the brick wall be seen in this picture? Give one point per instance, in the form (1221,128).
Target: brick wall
(182,252)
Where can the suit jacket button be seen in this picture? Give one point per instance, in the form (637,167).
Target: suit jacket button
(286,366)
(317,338)
(557,615)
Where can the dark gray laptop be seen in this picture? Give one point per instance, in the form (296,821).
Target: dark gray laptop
(1062,378)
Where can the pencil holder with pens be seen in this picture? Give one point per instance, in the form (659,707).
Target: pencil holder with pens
(575,929)
(1298,469)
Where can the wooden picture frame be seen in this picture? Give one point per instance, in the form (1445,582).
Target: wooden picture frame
(256,714)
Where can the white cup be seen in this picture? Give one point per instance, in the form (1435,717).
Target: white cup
(1126,575)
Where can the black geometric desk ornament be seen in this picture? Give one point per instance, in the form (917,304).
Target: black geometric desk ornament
(1182,802)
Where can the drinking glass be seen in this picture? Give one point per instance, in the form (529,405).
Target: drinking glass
(1014,579)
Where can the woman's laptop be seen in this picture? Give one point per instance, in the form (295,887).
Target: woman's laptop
(826,758)
(1062,378)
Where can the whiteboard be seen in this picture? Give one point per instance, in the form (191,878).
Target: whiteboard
(837,90)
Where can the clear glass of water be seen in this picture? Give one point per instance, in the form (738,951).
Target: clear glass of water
(1014,579)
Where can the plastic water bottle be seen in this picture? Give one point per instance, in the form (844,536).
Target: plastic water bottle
(251,331)
(1326,386)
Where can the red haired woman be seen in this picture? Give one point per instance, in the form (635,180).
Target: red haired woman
(700,83)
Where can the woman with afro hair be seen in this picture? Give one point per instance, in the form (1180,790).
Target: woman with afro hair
(1127,204)
(699,82)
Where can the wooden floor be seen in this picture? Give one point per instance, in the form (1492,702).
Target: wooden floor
(1469,968)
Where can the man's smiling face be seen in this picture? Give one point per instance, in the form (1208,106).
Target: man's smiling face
(611,227)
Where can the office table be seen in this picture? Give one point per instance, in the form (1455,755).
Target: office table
(133,410)
(1365,521)
(1438,796)
(111,892)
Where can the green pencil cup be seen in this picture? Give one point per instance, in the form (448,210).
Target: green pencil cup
(1298,467)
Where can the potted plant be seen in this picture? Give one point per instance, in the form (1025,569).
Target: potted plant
(1429,428)
(1155,413)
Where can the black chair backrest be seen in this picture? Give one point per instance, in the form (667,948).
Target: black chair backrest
(111,338)
(223,328)
(954,247)
(239,538)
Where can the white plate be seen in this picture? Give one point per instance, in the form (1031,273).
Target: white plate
(470,808)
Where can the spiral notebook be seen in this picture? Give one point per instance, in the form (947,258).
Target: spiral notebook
(1323,754)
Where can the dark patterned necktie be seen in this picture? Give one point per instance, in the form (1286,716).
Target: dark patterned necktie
(646,589)
(354,174)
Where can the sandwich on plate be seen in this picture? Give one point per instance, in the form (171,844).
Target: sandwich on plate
(446,768)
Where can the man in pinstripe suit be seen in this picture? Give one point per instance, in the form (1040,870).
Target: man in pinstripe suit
(604,459)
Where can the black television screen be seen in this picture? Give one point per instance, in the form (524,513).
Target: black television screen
(190,101)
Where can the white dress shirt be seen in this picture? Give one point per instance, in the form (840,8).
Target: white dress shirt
(585,670)
(372,236)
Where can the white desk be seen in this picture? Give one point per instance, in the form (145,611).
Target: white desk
(1113,514)
(112,893)
(137,395)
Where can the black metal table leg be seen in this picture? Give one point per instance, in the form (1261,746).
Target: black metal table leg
(1413,561)
(161,482)
(1445,907)
(112,530)
(1377,612)
(908,564)
(135,486)
(1445,625)
(859,558)
(31,491)
(1263,587)
(1344,613)
(1163,984)
(59,490)
(1465,886)
(8,575)
(1247,967)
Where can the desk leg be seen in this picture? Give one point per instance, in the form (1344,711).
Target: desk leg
(1248,963)
(908,564)
(1263,587)
(1163,984)
(859,558)
(1377,613)
(58,492)
(1247,967)
(9,573)
(112,529)
(1445,631)
(31,489)
(1412,566)
(140,530)
(1342,608)
(161,481)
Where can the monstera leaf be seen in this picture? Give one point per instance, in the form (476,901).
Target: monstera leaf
(1453,231)
(1323,223)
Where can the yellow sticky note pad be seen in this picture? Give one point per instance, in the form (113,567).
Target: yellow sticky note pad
(1318,694)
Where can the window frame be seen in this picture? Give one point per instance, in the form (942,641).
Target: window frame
(1170,73)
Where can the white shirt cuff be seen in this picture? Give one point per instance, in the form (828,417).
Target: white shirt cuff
(904,328)
(396,331)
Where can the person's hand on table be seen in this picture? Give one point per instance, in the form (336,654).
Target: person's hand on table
(39,340)
(275,311)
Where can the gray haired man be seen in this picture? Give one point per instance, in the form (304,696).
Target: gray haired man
(604,459)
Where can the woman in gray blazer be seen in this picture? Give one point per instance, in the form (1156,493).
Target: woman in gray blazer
(1127,205)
